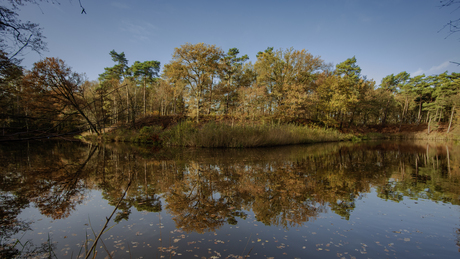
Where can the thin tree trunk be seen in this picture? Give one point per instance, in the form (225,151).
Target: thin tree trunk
(127,104)
(451,115)
(429,125)
(145,100)
(436,116)
(419,117)
(351,120)
(440,115)
(197,110)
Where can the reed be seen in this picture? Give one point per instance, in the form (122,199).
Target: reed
(214,134)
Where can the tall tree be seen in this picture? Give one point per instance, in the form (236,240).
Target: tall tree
(419,86)
(53,75)
(288,76)
(116,75)
(195,65)
(146,71)
(231,71)
(390,85)
(351,87)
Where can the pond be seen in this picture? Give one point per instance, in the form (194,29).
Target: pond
(337,200)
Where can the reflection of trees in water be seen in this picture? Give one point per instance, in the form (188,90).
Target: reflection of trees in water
(10,207)
(204,189)
(204,199)
(40,176)
(55,185)
(430,173)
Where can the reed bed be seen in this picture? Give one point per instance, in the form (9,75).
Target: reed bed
(214,134)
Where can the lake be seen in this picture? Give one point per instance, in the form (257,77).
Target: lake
(337,200)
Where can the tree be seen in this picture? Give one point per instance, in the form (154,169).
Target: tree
(146,71)
(195,65)
(349,69)
(16,35)
(445,89)
(419,87)
(390,85)
(115,76)
(452,25)
(118,71)
(351,89)
(288,76)
(10,85)
(230,74)
(54,76)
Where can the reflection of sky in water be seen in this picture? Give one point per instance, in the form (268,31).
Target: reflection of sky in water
(376,228)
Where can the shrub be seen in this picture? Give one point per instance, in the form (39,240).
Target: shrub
(149,134)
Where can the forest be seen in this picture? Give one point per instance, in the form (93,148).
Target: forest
(203,81)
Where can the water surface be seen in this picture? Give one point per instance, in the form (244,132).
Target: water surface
(340,200)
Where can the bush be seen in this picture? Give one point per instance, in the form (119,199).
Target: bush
(149,134)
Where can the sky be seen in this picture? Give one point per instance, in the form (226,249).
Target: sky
(386,37)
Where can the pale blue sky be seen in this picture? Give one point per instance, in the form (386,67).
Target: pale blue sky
(386,36)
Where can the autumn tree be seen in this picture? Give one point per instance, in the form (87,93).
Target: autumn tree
(54,76)
(195,65)
(288,76)
(349,89)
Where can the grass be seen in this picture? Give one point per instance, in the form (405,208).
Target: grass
(219,134)
(212,134)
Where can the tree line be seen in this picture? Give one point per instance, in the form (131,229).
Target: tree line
(202,80)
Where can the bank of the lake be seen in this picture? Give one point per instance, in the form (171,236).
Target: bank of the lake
(176,131)
(220,134)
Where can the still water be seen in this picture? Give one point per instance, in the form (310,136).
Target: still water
(339,200)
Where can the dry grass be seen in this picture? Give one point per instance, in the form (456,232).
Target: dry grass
(214,134)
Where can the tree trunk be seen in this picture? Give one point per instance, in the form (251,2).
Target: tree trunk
(451,115)
(385,112)
(351,120)
(145,100)
(429,125)
(127,104)
(420,111)
(197,110)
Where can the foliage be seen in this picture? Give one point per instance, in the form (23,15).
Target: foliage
(195,66)
(149,135)
(202,81)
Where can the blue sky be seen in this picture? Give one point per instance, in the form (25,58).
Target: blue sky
(385,36)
